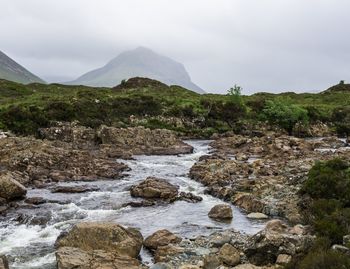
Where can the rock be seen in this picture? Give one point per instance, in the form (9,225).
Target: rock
(189,266)
(257,215)
(264,247)
(346,240)
(229,255)
(161,238)
(211,262)
(155,188)
(4,264)
(109,237)
(75,258)
(165,253)
(283,259)
(74,189)
(341,248)
(160,265)
(249,203)
(140,140)
(143,203)
(189,197)
(221,212)
(35,200)
(10,189)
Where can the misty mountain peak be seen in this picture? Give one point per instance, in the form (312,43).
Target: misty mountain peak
(139,62)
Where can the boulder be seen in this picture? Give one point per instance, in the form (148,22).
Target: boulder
(10,189)
(165,253)
(229,255)
(75,258)
(189,197)
(221,212)
(264,247)
(155,188)
(161,238)
(283,259)
(249,203)
(109,237)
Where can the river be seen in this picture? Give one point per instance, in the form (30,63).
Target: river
(29,244)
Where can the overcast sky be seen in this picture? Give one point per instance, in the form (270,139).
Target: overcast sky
(262,45)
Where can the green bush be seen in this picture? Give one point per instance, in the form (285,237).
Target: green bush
(283,113)
(329,180)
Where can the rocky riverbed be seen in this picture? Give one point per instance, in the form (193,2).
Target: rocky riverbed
(140,198)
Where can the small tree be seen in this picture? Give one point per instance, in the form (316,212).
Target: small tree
(236,94)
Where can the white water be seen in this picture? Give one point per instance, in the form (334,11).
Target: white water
(32,246)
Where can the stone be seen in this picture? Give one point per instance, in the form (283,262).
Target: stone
(249,203)
(221,212)
(165,253)
(283,259)
(75,258)
(257,215)
(160,265)
(161,238)
(211,262)
(4,264)
(189,197)
(35,200)
(189,266)
(346,240)
(229,255)
(10,189)
(155,188)
(106,236)
(74,189)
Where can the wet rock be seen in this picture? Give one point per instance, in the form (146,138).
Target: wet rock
(257,215)
(109,237)
(167,252)
(160,265)
(41,219)
(74,189)
(155,188)
(333,142)
(10,189)
(161,238)
(221,212)
(35,200)
(4,264)
(229,255)
(189,197)
(143,203)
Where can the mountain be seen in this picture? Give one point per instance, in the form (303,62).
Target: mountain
(10,70)
(140,62)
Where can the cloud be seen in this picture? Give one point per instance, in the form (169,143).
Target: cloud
(263,45)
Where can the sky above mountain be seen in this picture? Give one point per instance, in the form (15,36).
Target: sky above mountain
(262,45)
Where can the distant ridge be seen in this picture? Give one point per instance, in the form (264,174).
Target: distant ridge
(341,87)
(140,62)
(10,70)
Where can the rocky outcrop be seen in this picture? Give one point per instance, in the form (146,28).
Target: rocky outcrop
(155,188)
(107,244)
(10,189)
(276,239)
(38,162)
(222,212)
(140,140)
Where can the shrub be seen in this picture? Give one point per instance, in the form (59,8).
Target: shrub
(284,114)
(329,180)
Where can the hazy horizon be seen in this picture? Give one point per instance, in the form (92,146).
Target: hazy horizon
(261,45)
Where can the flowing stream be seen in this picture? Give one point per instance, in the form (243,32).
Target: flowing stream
(30,245)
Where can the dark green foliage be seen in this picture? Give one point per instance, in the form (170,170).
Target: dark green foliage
(23,119)
(329,180)
(284,114)
(341,119)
